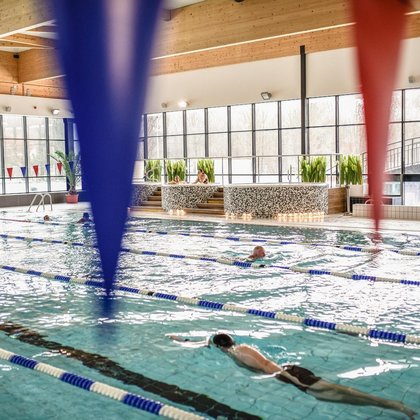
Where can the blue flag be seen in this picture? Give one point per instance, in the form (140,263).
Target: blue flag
(105,48)
(23,169)
(47,168)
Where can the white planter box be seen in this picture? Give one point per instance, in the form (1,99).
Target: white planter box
(356,190)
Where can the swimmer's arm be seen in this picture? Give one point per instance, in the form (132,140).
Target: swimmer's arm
(188,342)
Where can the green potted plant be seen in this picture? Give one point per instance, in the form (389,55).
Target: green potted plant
(176,168)
(350,168)
(207,166)
(153,171)
(313,170)
(72,170)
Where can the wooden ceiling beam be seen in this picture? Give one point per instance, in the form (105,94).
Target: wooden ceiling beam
(31,41)
(215,23)
(20,15)
(315,41)
(38,65)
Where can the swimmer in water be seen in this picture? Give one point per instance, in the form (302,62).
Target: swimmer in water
(47,218)
(303,379)
(85,218)
(257,253)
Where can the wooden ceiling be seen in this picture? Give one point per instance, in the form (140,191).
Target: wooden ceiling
(205,34)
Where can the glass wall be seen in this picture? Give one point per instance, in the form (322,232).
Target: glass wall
(262,142)
(26,146)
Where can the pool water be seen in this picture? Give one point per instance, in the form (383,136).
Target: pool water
(135,336)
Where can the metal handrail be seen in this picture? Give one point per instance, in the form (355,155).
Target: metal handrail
(293,173)
(42,197)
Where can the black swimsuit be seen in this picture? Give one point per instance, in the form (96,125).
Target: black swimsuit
(304,376)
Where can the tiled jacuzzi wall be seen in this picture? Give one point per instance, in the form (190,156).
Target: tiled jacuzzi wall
(181,196)
(268,200)
(390,212)
(141,192)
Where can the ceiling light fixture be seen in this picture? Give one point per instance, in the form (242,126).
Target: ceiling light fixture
(55,111)
(182,104)
(266,95)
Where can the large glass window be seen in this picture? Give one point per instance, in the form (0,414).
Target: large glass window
(266,115)
(290,114)
(28,143)
(241,117)
(174,122)
(195,121)
(217,119)
(262,141)
(322,111)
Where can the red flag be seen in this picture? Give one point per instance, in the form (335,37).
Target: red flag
(379,30)
(59,167)
(10,172)
(36,169)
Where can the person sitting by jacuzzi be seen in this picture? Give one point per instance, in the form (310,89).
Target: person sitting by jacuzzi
(176,180)
(201,178)
(303,379)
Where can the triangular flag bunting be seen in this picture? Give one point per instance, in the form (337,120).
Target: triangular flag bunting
(36,169)
(23,169)
(10,172)
(379,30)
(59,167)
(47,168)
(105,47)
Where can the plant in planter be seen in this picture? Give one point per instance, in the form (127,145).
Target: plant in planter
(207,166)
(314,170)
(350,168)
(174,169)
(153,171)
(71,166)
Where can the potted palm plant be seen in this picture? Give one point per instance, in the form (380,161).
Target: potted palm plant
(174,169)
(71,166)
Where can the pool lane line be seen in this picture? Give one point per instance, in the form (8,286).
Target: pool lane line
(125,397)
(107,367)
(225,261)
(342,328)
(284,241)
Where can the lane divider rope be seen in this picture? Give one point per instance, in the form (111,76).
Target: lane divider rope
(342,328)
(133,400)
(284,241)
(225,261)
(281,241)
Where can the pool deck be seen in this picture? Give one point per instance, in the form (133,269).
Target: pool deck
(333,222)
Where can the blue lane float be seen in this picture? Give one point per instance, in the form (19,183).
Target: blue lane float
(235,263)
(317,324)
(354,248)
(133,400)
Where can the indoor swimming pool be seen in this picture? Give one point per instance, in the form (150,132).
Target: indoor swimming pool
(47,317)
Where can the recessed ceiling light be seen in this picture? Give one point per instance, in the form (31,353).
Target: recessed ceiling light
(182,104)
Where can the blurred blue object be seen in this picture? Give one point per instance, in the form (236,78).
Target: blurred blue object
(105,48)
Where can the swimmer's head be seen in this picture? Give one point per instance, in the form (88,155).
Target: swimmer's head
(85,215)
(46,218)
(225,341)
(259,252)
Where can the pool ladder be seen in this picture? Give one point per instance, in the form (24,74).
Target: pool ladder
(41,197)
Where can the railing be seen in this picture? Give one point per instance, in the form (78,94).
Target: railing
(41,197)
(393,157)
(249,169)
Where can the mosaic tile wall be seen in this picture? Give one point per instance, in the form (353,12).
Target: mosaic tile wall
(141,192)
(176,197)
(264,201)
